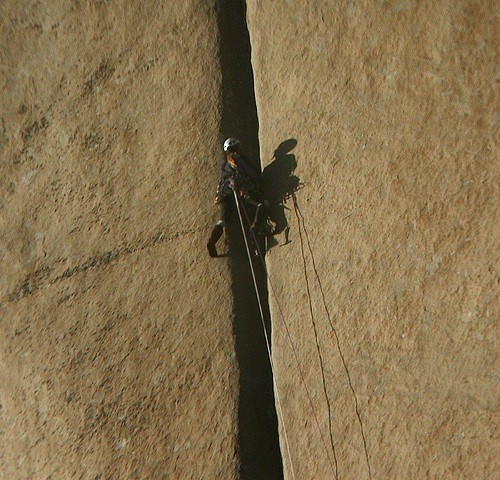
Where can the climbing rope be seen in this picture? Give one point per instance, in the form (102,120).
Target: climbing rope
(268,344)
(300,219)
(333,467)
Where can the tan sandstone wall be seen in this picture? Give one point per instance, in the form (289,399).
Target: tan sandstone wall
(394,109)
(117,357)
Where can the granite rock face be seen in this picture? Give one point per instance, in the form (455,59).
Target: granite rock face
(387,291)
(124,352)
(117,357)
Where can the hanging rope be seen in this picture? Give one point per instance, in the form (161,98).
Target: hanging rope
(268,344)
(261,256)
(300,219)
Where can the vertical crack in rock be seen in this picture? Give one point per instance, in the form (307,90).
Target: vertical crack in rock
(258,439)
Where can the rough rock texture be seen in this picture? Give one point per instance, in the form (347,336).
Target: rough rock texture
(393,106)
(117,357)
(122,351)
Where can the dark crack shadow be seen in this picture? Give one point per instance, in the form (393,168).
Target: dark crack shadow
(258,440)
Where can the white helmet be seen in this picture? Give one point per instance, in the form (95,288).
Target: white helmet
(230,144)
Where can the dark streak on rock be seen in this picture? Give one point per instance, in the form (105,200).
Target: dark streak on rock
(30,284)
(102,74)
(38,279)
(34,128)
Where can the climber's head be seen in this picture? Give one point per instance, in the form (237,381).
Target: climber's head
(231,145)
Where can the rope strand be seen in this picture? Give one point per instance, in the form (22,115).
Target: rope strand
(300,218)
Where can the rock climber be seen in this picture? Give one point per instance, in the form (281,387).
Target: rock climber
(237,174)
